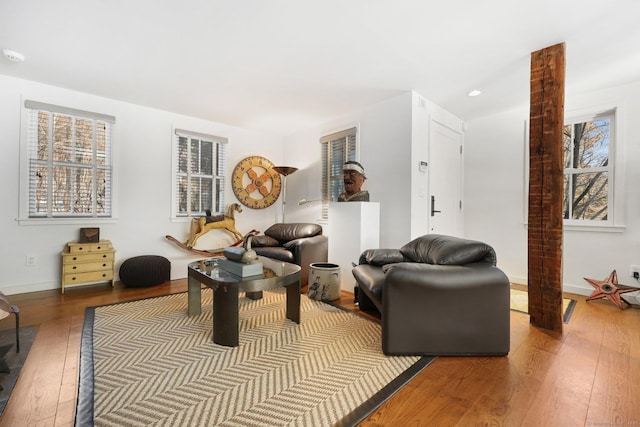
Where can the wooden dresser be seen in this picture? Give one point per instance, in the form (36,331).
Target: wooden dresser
(87,263)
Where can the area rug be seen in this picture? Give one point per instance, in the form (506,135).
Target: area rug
(520,302)
(13,359)
(147,363)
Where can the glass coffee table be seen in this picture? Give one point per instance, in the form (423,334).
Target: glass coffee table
(227,287)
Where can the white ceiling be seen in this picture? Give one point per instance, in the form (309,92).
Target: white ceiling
(284,65)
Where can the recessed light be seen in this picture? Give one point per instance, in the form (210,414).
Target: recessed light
(475,93)
(12,55)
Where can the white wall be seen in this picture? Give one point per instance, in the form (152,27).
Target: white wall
(420,204)
(142,185)
(494,193)
(392,135)
(385,137)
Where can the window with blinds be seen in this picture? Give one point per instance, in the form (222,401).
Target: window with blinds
(200,168)
(69,156)
(337,148)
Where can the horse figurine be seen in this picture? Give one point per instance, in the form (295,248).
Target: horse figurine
(202,225)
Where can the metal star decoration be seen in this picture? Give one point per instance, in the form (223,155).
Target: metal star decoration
(609,288)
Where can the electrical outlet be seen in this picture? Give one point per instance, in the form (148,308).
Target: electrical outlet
(30,260)
(635,271)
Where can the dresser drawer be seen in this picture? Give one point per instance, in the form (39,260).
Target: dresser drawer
(83,267)
(94,276)
(81,248)
(88,257)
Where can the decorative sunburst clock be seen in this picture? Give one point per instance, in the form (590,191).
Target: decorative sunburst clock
(255,183)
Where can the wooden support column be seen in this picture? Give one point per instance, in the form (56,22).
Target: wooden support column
(546,186)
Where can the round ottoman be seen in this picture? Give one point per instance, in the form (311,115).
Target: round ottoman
(145,270)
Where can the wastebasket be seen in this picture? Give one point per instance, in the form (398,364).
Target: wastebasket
(324,281)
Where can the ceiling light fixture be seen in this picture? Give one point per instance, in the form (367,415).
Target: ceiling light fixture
(12,55)
(475,92)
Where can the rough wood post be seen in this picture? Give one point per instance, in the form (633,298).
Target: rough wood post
(546,187)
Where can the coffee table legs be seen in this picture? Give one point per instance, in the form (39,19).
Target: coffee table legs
(225,311)
(226,315)
(293,302)
(254,295)
(194,297)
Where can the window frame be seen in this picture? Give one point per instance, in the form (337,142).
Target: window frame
(349,139)
(28,155)
(609,168)
(218,176)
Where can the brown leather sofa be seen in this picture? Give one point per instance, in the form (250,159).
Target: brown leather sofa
(298,243)
(438,295)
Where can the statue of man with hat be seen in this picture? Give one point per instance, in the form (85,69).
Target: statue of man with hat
(353,178)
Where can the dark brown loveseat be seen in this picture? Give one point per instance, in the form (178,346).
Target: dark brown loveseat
(298,243)
(438,295)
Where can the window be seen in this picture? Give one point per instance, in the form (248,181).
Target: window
(588,174)
(337,148)
(69,162)
(200,167)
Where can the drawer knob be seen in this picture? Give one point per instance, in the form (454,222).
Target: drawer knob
(74,267)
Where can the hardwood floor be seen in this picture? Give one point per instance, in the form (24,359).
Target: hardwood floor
(587,376)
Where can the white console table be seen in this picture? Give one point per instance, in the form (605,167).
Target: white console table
(353,228)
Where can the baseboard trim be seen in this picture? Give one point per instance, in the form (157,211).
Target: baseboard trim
(31,287)
(178,271)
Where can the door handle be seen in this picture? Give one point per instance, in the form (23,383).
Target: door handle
(433,206)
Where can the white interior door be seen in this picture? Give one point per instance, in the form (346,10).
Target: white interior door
(445,180)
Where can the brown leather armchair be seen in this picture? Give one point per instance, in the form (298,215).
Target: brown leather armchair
(298,243)
(438,295)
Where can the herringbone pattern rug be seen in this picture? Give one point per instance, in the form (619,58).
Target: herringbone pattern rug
(154,365)
(520,302)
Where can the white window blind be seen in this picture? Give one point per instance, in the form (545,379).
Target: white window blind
(337,148)
(69,156)
(200,169)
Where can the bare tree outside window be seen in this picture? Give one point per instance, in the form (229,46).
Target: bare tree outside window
(70,163)
(587,147)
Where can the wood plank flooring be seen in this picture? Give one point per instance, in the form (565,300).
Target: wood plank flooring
(587,376)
